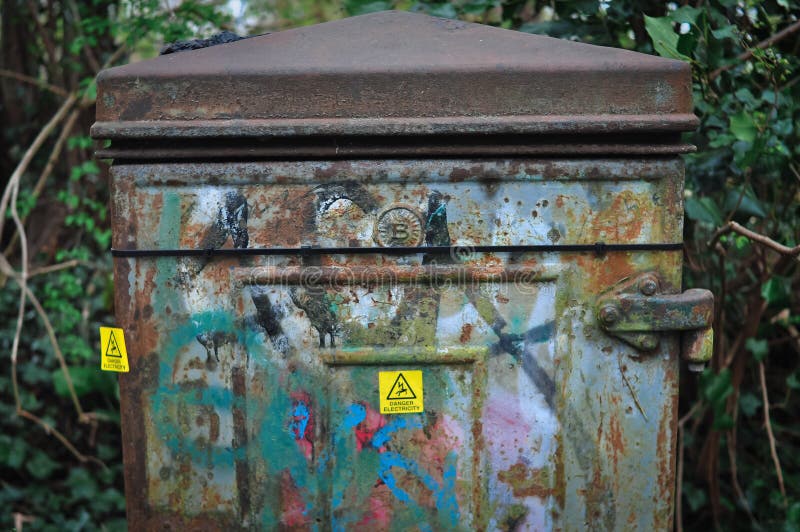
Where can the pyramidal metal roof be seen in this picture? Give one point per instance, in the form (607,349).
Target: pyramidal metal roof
(394,73)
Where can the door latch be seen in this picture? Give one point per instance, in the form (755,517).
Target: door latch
(637,312)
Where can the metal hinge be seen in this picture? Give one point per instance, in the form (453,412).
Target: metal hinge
(636,312)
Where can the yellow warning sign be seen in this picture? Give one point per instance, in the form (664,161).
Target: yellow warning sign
(400,391)
(113,356)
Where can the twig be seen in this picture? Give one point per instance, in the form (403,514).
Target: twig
(49,429)
(113,58)
(22,280)
(10,195)
(31,152)
(20,519)
(53,268)
(747,54)
(82,417)
(57,147)
(765,399)
(731,445)
(48,169)
(33,81)
(782,318)
(755,237)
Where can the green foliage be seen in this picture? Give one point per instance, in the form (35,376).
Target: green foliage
(746,170)
(41,480)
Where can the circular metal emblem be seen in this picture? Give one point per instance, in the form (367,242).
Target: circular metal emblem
(399,226)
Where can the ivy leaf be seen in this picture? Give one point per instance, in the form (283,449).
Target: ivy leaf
(81,484)
(41,465)
(777,290)
(703,210)
(726,32)
(12,452)
(749,404)
(716,387)
(743,127)
(759,348)
(85,380)
(665,40)
(686,14)
(694,496)
(744,200)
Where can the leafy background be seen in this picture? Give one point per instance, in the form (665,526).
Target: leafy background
(60,464)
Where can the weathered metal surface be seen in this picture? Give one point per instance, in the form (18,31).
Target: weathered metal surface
(252,401)
(395,74)
(636,311)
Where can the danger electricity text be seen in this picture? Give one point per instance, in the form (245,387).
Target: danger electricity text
(401,392)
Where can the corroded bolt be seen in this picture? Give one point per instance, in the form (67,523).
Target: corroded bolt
(609,314)
(648,286)
(649,342)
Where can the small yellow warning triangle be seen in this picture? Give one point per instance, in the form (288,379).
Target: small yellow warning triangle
(401,389)
(113,356)
(113,349)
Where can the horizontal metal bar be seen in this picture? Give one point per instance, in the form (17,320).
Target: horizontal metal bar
(133,151)
(434,125)
(598,248)
(369,275)
(417,356)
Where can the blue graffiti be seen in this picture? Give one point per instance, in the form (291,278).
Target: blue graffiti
(445,494)
(381,437)
(171,400)
(299,422)
(388,461)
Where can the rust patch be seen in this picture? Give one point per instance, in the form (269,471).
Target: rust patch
(526,482)
(466,333)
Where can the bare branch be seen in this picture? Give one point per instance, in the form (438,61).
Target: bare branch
(31,152)
(766,43)
(48,169)
(53,268)
(53,341)
(49,429)
(33,81)
(755,237)
(772,450)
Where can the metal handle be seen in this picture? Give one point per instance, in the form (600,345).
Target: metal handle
(637,312)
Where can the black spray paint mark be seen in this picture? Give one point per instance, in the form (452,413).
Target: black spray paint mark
(354,191)
(436,232)
(514,344)
(231,220)
(314,301)
(268,317)
(213,340)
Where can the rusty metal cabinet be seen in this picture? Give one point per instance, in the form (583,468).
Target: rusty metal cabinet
(297,213)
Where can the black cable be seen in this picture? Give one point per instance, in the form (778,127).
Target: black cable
(599,248)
